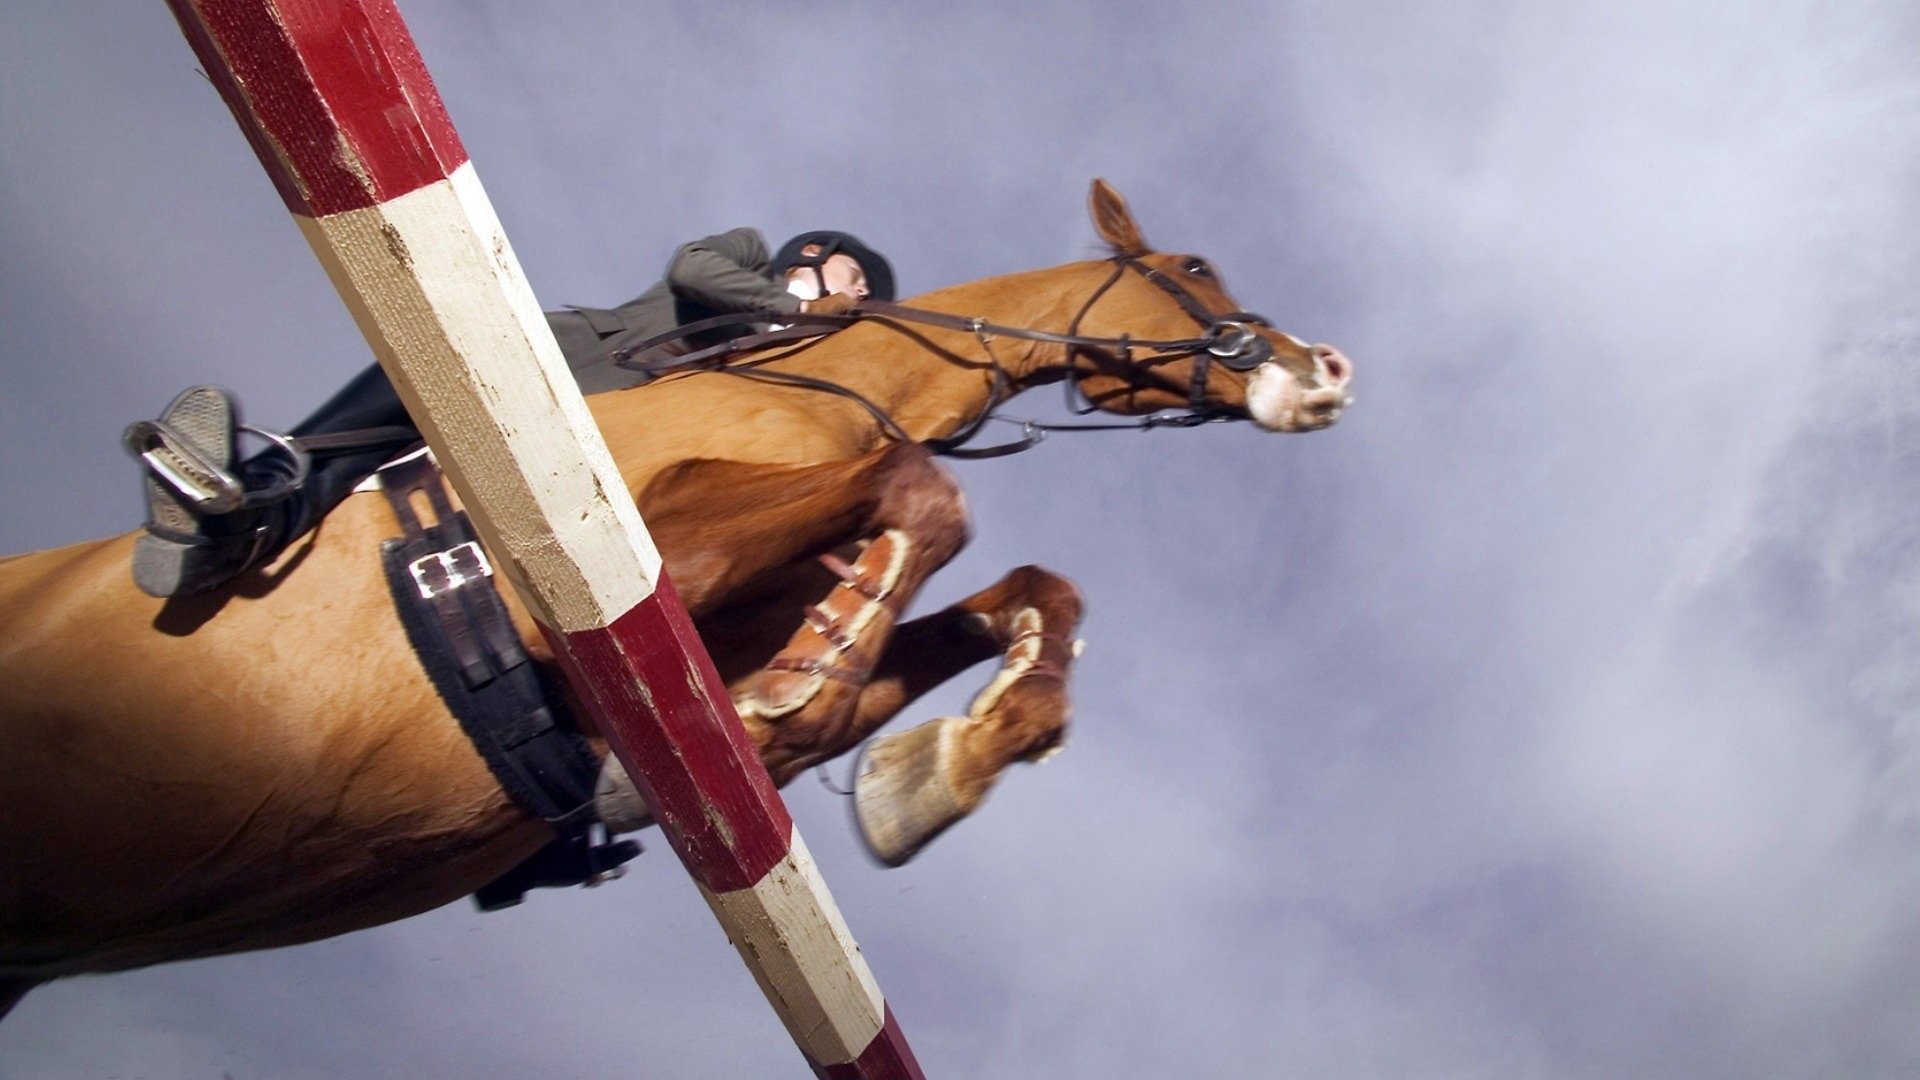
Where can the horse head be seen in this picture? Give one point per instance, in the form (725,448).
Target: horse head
(1152,300)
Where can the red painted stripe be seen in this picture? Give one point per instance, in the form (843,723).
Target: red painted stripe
(654,693)
(333,96)
(887,1057)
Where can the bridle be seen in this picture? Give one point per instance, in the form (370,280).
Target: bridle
(1226,338)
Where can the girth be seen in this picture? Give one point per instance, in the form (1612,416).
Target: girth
(460,629)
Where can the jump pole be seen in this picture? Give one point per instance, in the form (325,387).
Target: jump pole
(338,105)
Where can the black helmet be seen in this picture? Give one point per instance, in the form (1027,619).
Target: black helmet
(879,273)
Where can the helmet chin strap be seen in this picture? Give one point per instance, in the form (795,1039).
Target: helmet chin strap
(817,262)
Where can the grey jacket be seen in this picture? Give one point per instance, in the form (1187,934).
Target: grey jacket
(716,275)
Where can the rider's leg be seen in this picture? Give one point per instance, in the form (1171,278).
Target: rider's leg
(367,401)
(188,550)
(188,455)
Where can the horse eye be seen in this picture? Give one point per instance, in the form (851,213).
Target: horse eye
(1198,268)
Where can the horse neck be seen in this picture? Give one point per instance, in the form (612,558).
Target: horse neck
(931,380)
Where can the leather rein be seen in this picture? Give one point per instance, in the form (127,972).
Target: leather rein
(1228,338)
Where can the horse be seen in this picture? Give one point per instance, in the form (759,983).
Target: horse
(268,764)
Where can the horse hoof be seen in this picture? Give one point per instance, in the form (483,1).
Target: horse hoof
(902,796)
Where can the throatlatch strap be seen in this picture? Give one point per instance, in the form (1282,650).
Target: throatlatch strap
(459,627)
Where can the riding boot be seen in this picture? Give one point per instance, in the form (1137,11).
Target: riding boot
(367,401)
(194,546)
(196,530)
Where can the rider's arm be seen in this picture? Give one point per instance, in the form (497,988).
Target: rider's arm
(727,272)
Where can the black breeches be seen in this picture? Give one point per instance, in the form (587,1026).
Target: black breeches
(367,401)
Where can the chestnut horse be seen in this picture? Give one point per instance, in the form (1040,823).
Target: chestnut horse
(269,764)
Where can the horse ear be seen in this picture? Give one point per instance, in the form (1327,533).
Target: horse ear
(1114,220)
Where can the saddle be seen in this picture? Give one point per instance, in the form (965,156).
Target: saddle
(442,586)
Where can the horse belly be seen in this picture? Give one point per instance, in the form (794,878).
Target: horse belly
(279,772)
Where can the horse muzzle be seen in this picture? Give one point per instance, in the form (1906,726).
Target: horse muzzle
(1280,400)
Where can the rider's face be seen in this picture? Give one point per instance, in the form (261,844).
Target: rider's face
(842,273)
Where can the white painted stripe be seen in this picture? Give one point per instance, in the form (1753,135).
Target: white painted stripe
(424,275)
(793,939)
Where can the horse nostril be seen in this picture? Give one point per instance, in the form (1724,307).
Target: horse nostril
(1338,368)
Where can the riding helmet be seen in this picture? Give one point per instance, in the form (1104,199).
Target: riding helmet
(879,272)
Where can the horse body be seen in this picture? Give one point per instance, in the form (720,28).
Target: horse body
(156,770)
(269,764)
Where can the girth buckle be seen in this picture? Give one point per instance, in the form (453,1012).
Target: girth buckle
(440,572)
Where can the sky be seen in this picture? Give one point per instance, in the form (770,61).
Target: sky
(1556,715)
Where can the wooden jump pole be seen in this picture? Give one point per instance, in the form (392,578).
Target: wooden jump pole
(338,105)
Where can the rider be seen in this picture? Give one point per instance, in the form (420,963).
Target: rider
(201,533)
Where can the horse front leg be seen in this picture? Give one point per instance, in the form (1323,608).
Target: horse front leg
(915,785)
(796,576)
(802,705)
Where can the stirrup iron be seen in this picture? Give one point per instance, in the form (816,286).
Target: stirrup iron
(174,459)
(210,488)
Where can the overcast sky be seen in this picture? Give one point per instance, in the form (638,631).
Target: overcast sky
(1555,716)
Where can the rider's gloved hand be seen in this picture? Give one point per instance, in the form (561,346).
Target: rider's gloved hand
(838,303)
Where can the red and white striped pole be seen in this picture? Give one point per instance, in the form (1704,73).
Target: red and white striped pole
(338,105)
